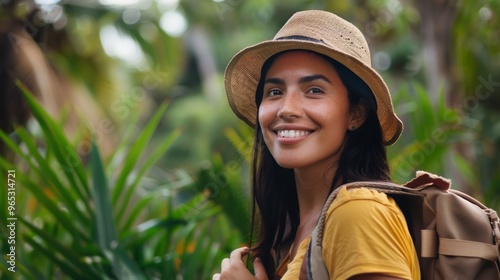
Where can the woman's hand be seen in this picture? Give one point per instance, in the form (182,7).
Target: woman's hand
(234,267)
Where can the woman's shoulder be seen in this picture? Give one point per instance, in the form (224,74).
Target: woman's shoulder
(363,199)
(364,211)
(369,225)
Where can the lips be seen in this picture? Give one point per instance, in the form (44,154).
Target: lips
(293,133)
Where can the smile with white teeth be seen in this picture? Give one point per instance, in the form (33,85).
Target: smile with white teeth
(292,133)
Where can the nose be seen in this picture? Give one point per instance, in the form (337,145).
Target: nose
(290,106)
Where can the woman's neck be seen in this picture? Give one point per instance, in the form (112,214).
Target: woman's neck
(312,189)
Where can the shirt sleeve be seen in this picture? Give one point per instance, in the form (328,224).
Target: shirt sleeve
(365,232)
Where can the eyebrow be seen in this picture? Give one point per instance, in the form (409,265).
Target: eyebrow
(302,80)
(311,78)
(277,81)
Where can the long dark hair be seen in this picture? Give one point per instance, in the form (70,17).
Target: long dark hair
(275,215)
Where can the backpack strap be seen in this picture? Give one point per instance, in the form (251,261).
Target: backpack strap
(495,225)
(314,263)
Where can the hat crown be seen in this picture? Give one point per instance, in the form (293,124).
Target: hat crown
(331,30)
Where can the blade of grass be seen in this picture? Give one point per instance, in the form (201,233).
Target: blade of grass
(42,198)
(190,260)
(103,211)
(63,150)
(135,152)
(155,156)
(229,194)
(115,158)
(63,219)
(441,105)
(49,174)
(51,255)
(127,268)
(69,255)
(3,209)
(16,149)
(213,260)
(243,146)
(105,224)
(138,208)
(6,274)
(426,118)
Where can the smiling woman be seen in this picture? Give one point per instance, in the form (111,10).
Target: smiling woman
(304,112)
(322,118)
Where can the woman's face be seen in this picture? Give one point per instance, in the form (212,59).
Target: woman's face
(304,114)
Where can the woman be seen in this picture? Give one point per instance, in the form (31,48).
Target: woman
(322,118)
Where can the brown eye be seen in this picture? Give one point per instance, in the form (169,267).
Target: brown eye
(315,90)
(274,92)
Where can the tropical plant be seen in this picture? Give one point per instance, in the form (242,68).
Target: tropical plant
(432,130)
(106,219)
(428,144)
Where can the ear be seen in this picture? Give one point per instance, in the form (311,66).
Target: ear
(358,116)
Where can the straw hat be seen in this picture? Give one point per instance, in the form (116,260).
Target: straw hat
(317,31)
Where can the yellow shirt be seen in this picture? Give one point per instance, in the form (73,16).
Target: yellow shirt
(365,232)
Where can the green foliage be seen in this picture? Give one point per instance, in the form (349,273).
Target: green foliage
(105,219)
(202,121)
(430,131)
(484,143)
(222,185)
(434,139)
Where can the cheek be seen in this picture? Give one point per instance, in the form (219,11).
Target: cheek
(265,114)
(266,117)
(328,115)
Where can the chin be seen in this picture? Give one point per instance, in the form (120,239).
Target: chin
(290,164)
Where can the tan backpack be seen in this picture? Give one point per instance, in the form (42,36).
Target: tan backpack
(456,237)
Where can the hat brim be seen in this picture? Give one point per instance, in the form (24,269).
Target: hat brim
(243,73)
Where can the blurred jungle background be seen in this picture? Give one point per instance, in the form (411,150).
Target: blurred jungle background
(128,161)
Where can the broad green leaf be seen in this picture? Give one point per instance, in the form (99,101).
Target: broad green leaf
(103,210)
(123,266)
